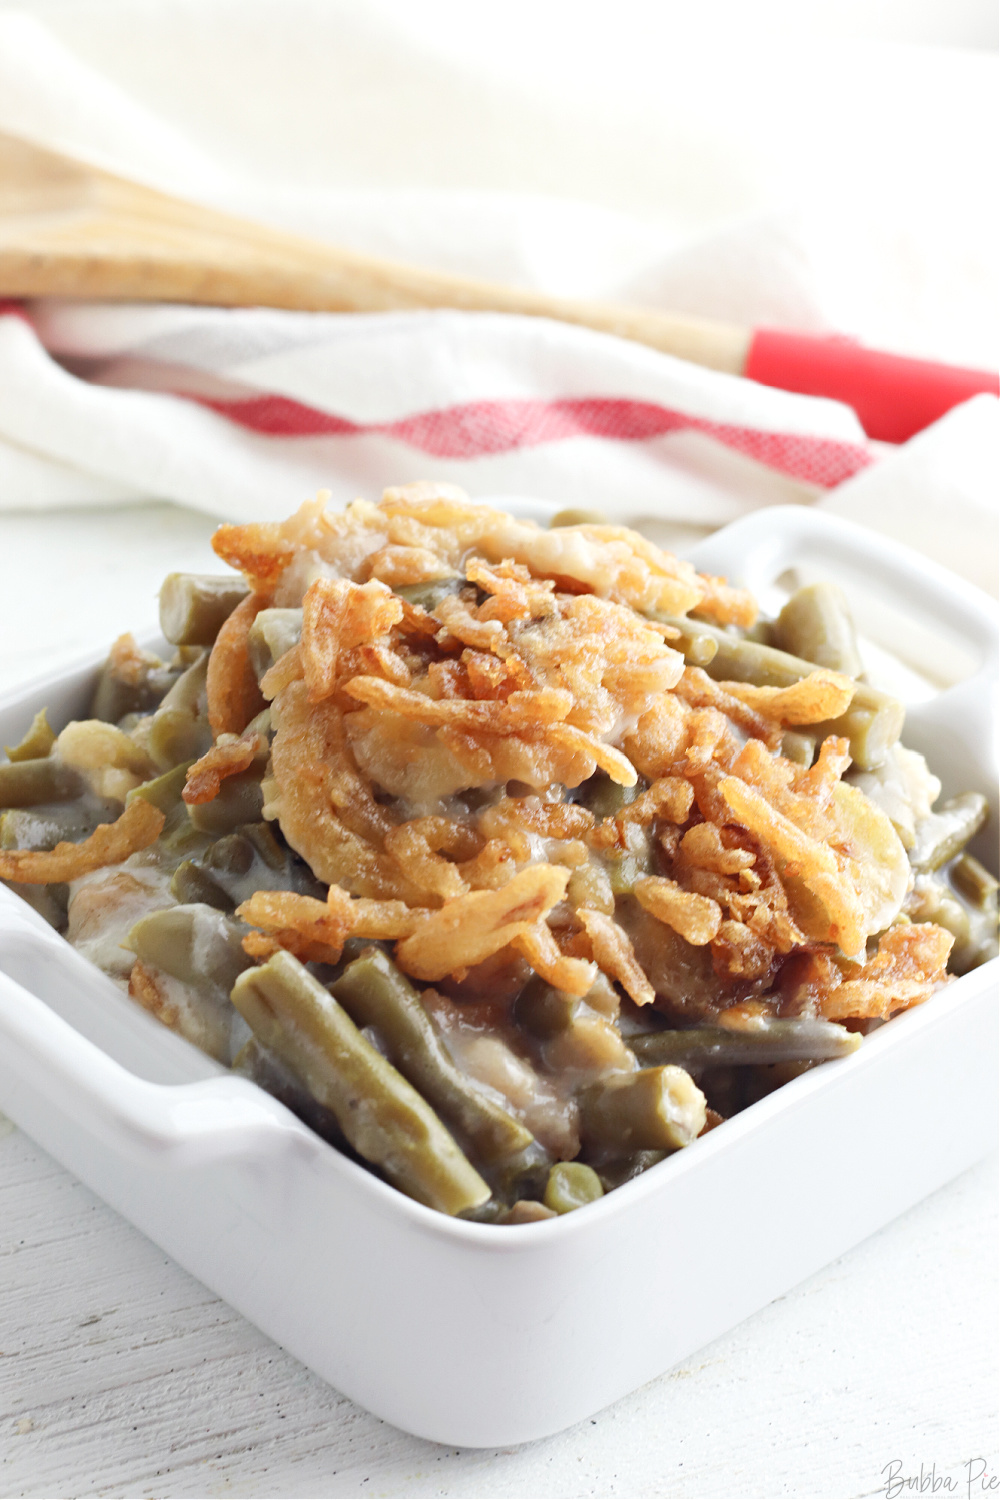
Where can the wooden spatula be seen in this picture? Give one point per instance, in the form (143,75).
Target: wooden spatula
(71,230)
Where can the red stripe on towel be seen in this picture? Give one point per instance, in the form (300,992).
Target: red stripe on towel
(478,429)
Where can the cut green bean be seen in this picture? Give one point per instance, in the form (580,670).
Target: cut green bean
(25,783)
(622,1169)
(46,825)
(697,643)
(134,689)
(233,854)
(973,928)
(194,943)
(798,1038)
(269,1073)
(797,747)
(571,1185)
(180,729)
(37,742)
(626,866)
(374,993)
(191,883)
(975,883)
(273,632)
(382,1115)
(165,793)
(523,1176)
(545,1012)
(573,1036)
(240,800)
(605,798)
(816,624)
(943,834)
(262,837)
(656,1109)
(872,723)
(195,606)
(761,631)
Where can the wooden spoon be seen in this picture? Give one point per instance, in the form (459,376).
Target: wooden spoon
(71,230)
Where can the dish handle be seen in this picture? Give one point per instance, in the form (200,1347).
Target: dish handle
(166,1125)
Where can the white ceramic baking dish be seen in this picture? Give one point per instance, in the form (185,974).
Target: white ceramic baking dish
(479,1335)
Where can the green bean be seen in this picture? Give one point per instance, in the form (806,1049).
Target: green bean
(798,747)
(975,883)
(761,631)
(260,723)
(571,1185)
(973,928)
(37,742)
(943,834)
(269,1073)
(46,825)
(573,1035)
(194,943)
(233,854)
(769,1041)
(180,729)
(49,901)
(383,1116)
(576,517)
(605,798)
(545,1012)
(195,606)
(622,1169)
(698,644)
(816,624)
(261,836)
(872,723)
(136,689)
(625,866)
(656,1109)
(165,793)
(523,1176)
(240,800)
(374,993)
(272,633)
(25,783)
(191,883)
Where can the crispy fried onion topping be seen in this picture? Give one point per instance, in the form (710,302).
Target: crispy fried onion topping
(139,826)
(233,695)
(428,744)
(231,754)
(465,931)
(908,967)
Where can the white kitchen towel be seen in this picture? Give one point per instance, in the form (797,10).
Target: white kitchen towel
(244,413)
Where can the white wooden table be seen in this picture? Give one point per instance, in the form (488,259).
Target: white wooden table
(120,1375)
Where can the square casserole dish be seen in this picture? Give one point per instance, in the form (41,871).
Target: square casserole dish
(479,1335)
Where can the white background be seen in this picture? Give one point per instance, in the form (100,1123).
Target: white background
(850,148)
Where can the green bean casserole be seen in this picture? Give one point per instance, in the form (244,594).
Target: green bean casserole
(510,859)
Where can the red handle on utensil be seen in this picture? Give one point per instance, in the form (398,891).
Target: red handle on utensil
(893,395)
